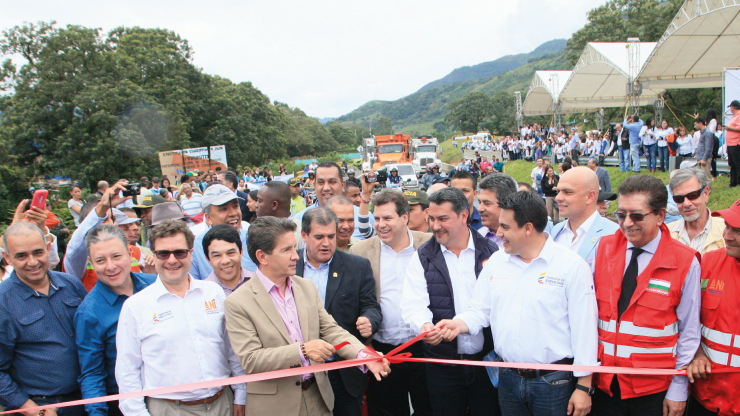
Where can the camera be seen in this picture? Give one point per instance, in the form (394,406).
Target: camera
(379,176)
(132,189)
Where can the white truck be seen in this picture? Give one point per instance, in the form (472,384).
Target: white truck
(424,151)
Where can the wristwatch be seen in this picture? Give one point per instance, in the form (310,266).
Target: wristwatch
(589,390)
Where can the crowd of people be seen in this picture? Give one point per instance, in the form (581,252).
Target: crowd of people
(210,280)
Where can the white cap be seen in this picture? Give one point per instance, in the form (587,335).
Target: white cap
(217,195)
(122,218)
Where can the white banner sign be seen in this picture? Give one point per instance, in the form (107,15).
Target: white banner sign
(731,91)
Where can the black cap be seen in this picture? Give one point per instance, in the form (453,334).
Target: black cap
(607,196)
(735,104)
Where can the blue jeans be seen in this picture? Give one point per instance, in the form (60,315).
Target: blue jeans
(624,159)
(542,396)
(651,153)
(635,152)
(663,155)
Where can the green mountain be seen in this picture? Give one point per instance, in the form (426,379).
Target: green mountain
(418,112)
(499,66)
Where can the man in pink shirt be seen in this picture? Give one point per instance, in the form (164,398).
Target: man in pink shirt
(277,321)
(732,136)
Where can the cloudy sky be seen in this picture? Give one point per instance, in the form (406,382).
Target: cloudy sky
(328,57)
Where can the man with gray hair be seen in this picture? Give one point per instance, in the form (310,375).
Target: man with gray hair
(38,354)
(96,320)
(697,228)
(492,189)
(347,288)
(439,284)
(343,208)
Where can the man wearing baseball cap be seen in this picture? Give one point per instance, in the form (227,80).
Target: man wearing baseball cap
(717,393)
(221,206)
(144,209)
(732,135)
(297,202)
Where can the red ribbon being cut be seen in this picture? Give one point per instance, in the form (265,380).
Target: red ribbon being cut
(395,357)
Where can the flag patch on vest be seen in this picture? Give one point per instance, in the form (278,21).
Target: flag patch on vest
(659,286)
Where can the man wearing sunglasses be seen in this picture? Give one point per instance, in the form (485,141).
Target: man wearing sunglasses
(648,294)
(172,333)
(713,394)
(697,228)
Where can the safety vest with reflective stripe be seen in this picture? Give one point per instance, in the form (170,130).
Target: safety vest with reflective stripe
(720,332)
(647,334)
(89,278)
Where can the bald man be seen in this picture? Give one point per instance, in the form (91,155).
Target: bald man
(578,202)
(273,200)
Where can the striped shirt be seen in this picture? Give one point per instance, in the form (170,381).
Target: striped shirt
(191,206)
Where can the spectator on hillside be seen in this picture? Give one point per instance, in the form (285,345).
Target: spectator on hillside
(705,146)
(605,182)
(633,124)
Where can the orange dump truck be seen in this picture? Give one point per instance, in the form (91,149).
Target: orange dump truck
(392,149)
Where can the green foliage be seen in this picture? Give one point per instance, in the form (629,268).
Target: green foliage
(383,126)
(469,112)
(618,20)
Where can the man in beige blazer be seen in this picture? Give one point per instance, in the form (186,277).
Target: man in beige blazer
(277,321)
(389,253)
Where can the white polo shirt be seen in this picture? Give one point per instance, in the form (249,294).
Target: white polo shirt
(165,340)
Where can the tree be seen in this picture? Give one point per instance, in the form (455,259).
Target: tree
(383,126)
(503,120)
(470,111)
(343,135)
(439,126)
(618,20)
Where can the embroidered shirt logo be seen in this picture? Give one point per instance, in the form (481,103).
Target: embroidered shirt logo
(659,286)
(211,306)
(716,287)
(162,316)
(541,278)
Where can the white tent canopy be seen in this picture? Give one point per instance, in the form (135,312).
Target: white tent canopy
(702,39)
(600,77)
(544,89)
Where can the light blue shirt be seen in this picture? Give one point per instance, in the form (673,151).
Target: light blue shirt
(357,234)
(319,276)
(634,129)
(200,268)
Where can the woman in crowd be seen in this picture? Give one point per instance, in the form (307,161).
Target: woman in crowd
(252,201)
(242,184)
(549,186)
(711,117)
(647,135)
(661,133)
(76,203)
(685,143)
(167,186)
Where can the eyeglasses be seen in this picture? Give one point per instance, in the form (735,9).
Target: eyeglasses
(691,196)
(634,216)
(165,254)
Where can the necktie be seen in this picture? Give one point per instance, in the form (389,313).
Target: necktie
(629,282)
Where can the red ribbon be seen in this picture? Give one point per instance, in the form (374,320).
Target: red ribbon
(395,356)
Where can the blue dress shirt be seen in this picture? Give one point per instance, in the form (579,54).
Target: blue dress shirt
(320,276)
(200,268)
(475,221)
(96,324)
(38,353)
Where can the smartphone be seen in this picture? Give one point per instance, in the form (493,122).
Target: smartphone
(39,198)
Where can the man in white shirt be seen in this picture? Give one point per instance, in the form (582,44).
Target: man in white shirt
(536,175)
(439,282)
(490,190)
(190,201)
(539,300)
(578,202)
(390,252)
(173,332)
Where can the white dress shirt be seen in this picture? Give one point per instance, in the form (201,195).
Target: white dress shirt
(393,330)
(415,298)
(539,312)
(165,340)
(565,237)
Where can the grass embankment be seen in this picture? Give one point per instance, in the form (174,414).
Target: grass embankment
(720,198)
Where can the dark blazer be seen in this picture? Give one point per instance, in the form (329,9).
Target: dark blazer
(350,293)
